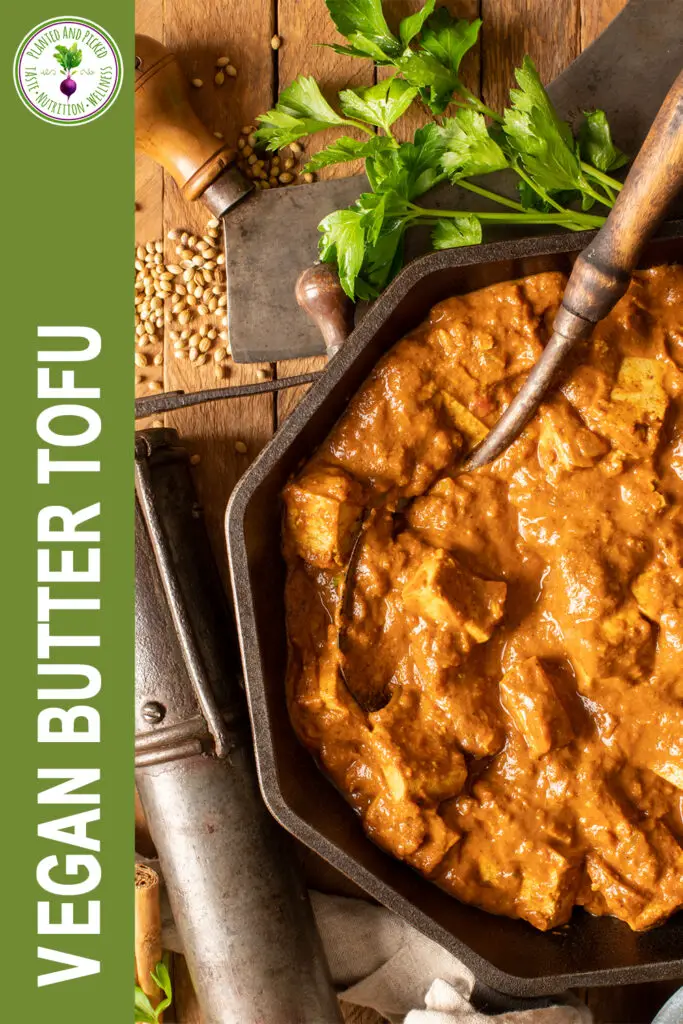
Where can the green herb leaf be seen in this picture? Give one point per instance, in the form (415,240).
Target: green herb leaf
(448,39)
(410,170)
(343,243)
(360,46)
(162,980)
(69,58)
(412,25)
(346,148)
(452,232)
(538,137)
(301,110)
(595,143)
(373,208)
(469,148)
(531,200)
(364,18)
(382,262)
(421,158)
(144,1011)
(435,81)
(380,104)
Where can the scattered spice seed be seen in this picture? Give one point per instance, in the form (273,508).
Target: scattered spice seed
(222,62)
(154,385)
(197,83)
(219,372)
(219,135)
(231,71)
(140,359)
(195,459)
(240,447)
(309,177)
(262,374)
(157,423)
(219,78)
(276,42)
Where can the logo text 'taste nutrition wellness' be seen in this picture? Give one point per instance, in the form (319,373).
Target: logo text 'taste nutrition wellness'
(68,71)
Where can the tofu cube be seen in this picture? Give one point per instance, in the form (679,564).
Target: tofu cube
(564,444)
(322,512)
(529,697)
(445,593)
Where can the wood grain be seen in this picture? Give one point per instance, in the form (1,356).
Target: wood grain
(596,16)
(149,179)
(548,30)
(200,31)
(302,25)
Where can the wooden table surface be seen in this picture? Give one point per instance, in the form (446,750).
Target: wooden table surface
(553,31)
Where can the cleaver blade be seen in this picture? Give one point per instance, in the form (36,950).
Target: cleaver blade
(271,236)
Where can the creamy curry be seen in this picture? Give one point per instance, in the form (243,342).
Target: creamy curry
(515,632)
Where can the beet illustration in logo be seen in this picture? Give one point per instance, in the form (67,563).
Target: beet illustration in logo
(68,60)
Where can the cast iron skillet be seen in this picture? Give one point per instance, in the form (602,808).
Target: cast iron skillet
(509,956)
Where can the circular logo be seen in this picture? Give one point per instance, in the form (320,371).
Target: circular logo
(68,70)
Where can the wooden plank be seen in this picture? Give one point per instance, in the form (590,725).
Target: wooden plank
(302,24)
(596,16)
(200,31)
(148,183)
(549,32)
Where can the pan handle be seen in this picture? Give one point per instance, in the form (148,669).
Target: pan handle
(322,297)
(167,128)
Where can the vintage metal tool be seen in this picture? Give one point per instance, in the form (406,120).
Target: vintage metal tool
(626,71)
(237,896)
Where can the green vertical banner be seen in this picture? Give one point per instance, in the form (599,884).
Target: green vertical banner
(67,513)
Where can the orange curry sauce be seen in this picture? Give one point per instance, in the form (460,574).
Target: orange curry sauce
(519,629)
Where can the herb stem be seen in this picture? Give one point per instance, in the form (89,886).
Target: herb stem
(538,189)
(604,179)
(362,127)
(600,198)
(474,101)
(567,219)
(486,194)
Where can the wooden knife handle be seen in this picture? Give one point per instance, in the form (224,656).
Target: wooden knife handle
(601,273)
(166,127)
(320,294)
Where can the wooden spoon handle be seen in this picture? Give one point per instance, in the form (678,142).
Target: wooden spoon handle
(166,127)
(322,297)
(601,273)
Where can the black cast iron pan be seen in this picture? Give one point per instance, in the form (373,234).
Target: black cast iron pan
(510,956)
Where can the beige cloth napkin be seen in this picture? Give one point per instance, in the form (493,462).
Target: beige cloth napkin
(385,964)
(378,960)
